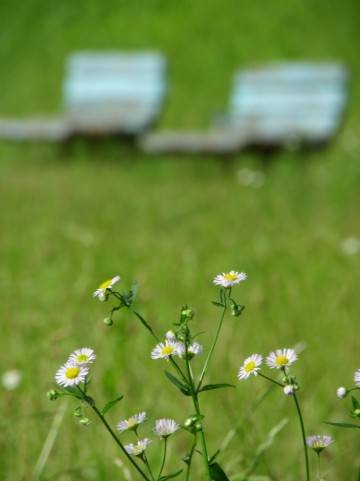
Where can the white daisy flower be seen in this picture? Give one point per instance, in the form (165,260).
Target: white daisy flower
(82,356)
(250,366)
(289,389)
(132,422)
(357,378)
(341,392)
(101,292)
(165,427)
(350,246)
(164,350)
(281,358)
(138,448)
(71,374)
(228,279)
(318,442)
(11,379)
(195,349)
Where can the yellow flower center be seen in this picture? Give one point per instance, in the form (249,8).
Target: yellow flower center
(105,284)
(230,276)
(132,423)
(167,350)
(282,360)
(250,366)
(72,372)
(82,358)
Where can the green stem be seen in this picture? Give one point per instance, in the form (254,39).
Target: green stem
(118,442)
(202,434)
(203,372)
(270,379)
(146,462)
(319,467)
(194,395)
(192,450)
(163,460)
(303,436)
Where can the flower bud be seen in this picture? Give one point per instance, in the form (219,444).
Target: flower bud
(52,395)
(341,392)
(190,422)
(357,413)
(170,335)
(108,321)
(289,389)
(84,421)
(187,313)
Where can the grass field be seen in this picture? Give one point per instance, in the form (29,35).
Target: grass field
(73,217)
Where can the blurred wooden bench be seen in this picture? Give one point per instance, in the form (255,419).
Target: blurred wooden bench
(270,106)
(103,93)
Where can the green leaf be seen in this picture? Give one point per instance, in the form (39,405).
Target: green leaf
(219,304)
(355,403)
(210,387)
(214,456)
(222,296)
(170,476)
(217,473)
(344,425)
(181,386)
(110,404)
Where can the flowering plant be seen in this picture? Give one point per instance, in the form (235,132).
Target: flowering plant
(179,349)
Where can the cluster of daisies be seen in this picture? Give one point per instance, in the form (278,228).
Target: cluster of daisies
(163,428)
(279,359)
(76,369)
(342,391)
(226,279)
(172,346)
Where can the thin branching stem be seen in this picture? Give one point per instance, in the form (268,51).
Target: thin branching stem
(91,403)
(191,454)
(270,379)
(163,459)
(195,398)
(203,372)
(301,420)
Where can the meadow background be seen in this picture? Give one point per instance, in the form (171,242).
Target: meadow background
(72,217)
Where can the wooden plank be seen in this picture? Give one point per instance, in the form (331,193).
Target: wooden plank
(52,130)
(211,142)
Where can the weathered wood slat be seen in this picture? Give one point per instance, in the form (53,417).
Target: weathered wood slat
(53,130)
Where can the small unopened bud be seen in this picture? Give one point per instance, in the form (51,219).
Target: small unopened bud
(341,392)
(77,412)
(84,421)
(190,422)
(187,313)
(108,321)
(198,426)
(170,335)
(357,413)
(236,309)
(52,395)
(289,389)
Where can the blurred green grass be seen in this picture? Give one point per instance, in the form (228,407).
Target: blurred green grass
(71,218)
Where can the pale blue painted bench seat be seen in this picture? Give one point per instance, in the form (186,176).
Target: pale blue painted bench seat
(273,105)
(103,93)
